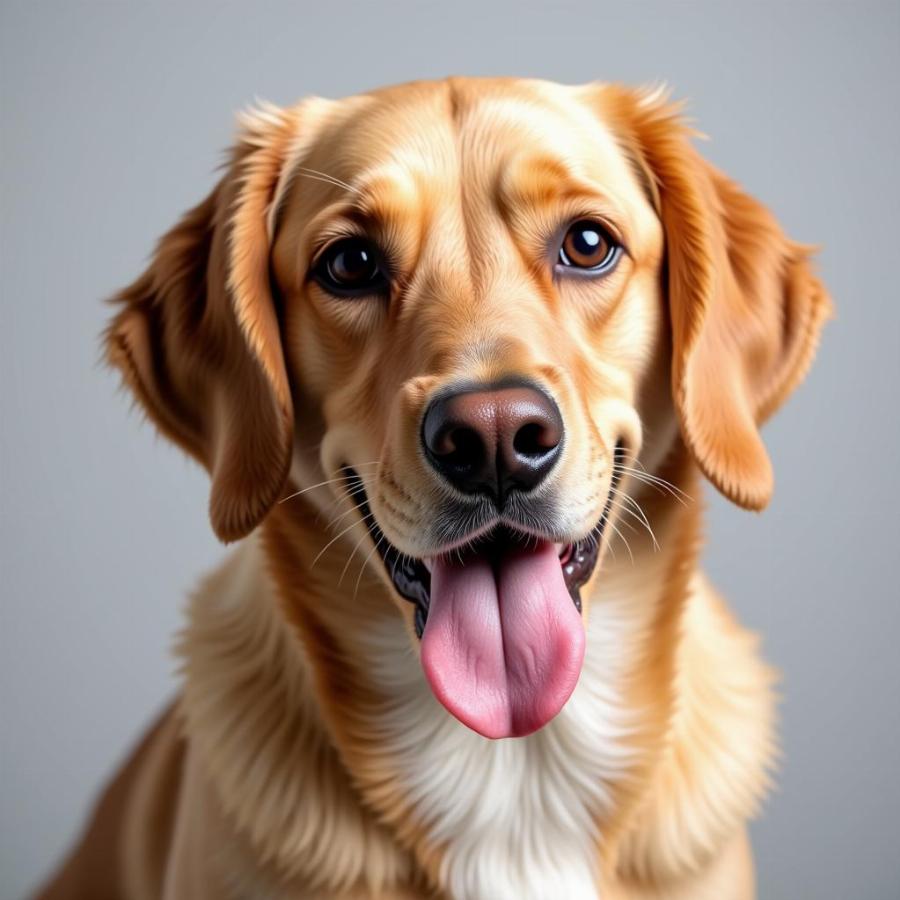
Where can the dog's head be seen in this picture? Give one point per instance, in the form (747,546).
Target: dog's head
(471,306)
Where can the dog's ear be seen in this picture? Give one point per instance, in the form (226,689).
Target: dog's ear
(745,307)
(197,336)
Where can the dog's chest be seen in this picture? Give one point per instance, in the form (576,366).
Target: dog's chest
(517,817)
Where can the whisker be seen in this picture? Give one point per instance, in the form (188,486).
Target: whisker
(627,525)
(622,538)
(335,505)
(641,516)
(347,512)
(362,568)
(650,477)
(336,537)
(316,175)
(343,477)
(611,549)
(350,558)
(397,558)
(312,487)
(653,481)
(598,531)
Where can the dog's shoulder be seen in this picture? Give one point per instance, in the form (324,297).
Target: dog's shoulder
(716,765)
(273,781)
(123,850)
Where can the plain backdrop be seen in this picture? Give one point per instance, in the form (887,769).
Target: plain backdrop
(114,117)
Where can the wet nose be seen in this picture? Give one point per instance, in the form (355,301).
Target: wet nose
(493,440)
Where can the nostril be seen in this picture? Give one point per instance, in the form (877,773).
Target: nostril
(462,447)
(534,439)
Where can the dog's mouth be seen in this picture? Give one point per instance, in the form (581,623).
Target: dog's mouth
(499,619)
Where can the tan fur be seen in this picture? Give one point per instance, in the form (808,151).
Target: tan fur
(279,772)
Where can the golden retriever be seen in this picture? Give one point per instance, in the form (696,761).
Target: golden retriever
(454,354)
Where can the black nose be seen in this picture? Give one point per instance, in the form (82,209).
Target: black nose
(492,440)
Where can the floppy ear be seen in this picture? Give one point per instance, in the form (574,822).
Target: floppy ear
(197,336)
(746,309)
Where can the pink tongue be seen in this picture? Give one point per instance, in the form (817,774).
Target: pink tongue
(503,645)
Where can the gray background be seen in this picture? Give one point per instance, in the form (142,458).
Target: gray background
(113,119)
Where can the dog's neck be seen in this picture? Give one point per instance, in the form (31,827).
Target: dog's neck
(310,710)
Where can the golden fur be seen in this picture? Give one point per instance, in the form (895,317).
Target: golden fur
(303,757)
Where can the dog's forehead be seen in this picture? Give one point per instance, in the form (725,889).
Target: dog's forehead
(491,134)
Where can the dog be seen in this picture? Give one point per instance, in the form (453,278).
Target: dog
(456,355)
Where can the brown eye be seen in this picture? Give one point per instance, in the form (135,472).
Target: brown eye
(588,245)
(351,268)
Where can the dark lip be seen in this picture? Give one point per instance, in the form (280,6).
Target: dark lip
(412,580)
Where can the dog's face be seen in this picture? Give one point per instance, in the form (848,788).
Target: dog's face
(472,306)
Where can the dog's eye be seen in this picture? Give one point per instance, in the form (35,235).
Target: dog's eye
(351,267)
(588,245)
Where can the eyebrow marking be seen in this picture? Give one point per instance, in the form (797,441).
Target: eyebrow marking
(544,180)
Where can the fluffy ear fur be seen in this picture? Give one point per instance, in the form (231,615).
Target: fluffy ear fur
(746,309)
(197,337)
